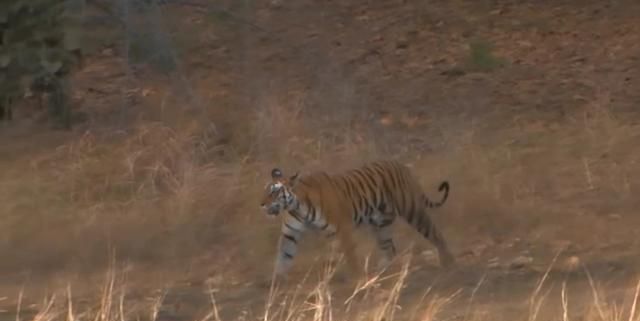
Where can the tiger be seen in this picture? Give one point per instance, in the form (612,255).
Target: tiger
(375,194)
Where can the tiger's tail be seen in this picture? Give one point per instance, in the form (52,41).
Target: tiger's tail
(422,222)
(444,186)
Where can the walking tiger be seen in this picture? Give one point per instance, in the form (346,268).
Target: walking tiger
(375,194)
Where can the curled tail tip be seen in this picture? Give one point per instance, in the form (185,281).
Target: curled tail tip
(444,186)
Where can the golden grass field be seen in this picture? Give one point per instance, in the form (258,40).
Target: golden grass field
(148,210)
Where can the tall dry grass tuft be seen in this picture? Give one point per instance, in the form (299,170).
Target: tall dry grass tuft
(131,192)
(538,297)
(377,298)
(315,297)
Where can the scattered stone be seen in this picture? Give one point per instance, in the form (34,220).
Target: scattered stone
(453,72)
(386,120)
(571,263)
(614,217)
(275,4)
(479,249)
(429,254)
(493,263)
(520,262)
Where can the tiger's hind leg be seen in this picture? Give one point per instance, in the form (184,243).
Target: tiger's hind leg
(381,225)
(425,226)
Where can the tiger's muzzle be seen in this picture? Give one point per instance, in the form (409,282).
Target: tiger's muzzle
(273,209)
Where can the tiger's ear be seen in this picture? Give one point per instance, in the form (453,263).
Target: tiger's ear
(276,174)
(293,180)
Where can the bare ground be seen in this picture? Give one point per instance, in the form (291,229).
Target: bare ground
(537,137)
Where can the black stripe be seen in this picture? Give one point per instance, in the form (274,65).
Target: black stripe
(347,185)
(291,227)
(368,178)
(367,211)
(352,194)
(383,208)
(386,189)
(360,182)
(369,181)
(409,216)
(356,212)
(362,205)
(419,224)
(397,188)
(310,207)
(375,185)
(412,208)
(402,192)
(295,216)
(290,238)
(287,255)
(313,213)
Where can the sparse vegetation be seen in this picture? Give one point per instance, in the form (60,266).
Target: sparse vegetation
(482,57)
(38,40)
(374,298)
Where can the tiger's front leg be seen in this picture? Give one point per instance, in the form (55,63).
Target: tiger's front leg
(288,246)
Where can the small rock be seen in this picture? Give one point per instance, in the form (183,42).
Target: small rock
(386,120)
(275,4)
(571,263)
(493,263)
(524,43)
(429,254)
(615,217)
(107,52)
(453,72)
(520,262)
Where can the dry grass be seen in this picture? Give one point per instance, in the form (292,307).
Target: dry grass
(157,192)
(163,192)
(162,189)
(377,297)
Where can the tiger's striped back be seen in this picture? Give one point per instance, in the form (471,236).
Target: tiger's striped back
(384,184)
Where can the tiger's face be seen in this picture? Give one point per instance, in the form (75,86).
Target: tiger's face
(278,194)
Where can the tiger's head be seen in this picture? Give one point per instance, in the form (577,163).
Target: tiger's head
(278,194)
